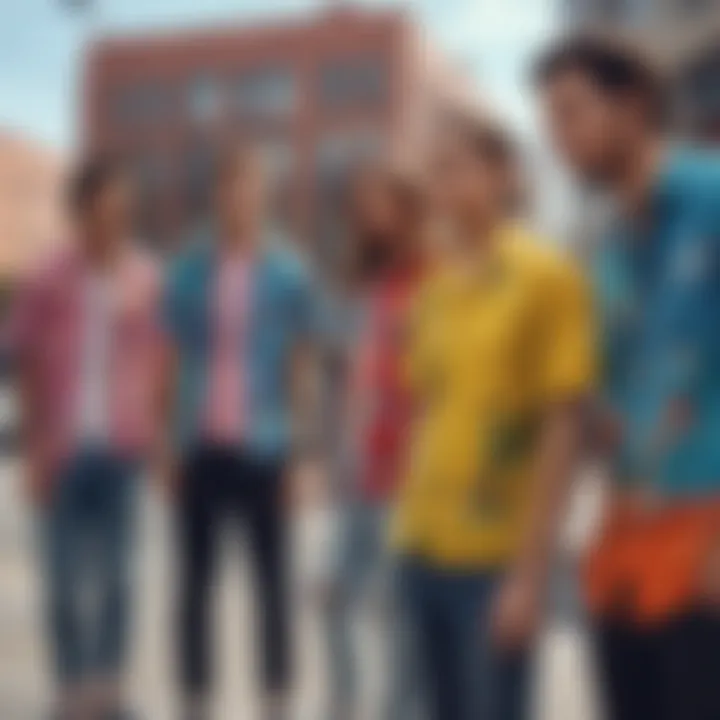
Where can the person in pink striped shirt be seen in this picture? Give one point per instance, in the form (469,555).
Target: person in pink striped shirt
(85,338)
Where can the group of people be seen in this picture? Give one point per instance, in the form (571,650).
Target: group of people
(467,369)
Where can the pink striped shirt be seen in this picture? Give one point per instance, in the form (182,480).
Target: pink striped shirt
(46,330)
(225,403)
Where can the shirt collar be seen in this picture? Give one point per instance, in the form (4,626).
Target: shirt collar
(662,197)
(670,178)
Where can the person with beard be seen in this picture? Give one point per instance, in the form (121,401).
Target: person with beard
(653,579)
(386,220)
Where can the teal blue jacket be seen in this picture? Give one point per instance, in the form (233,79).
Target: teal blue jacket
(658,291)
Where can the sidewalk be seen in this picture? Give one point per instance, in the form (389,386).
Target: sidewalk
(564,692)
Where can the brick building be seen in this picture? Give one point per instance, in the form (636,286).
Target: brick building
(314,93)
(32,218)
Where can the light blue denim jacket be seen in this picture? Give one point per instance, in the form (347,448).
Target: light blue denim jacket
(281,316)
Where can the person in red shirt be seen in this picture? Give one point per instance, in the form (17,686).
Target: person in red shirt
(386,212)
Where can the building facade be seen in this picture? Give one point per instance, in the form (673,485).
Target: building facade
(640,15)
(32,208)
(32,225)
(316,95)
(684,35)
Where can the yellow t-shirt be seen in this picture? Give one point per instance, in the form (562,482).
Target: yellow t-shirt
(488,354)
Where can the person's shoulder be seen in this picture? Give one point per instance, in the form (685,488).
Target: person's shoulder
(434,279)
(285,262)
(432,288)
(693,178)
(540,259)
(194,253)
(146,265)
(51,272)
(693,165)
(551,274)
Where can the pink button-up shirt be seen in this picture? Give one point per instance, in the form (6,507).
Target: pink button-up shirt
(45,332)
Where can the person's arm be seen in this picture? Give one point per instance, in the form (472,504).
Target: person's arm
(165,460)
(165,465)
(305,383)
(564,360)
(304,398)
(709,580)
(520,606)
(36,482)
(559,450)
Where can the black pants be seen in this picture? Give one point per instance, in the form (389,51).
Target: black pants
(670,672)
(219,483)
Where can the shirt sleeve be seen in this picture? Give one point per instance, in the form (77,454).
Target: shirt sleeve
(19,329)
(305,306)
(168,320)
(565,357)
(413,361)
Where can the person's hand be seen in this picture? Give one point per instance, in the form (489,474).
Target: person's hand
(608,432)
(37,486)
(165,471)
(710,578)
(676,421)
(517,612)
(304,483)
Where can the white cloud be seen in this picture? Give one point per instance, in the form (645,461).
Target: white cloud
(502,37)
(509,23)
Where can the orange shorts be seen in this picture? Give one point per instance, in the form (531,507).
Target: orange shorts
(648,566)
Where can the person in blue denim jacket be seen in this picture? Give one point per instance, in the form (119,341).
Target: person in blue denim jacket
(238,317)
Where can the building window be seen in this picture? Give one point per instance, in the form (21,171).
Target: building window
(340,150)
(279,160)
(337,156)
(353,82)
(153,172)
(267,92)
(694,8)
(204,98)
(638,12)
(153,102)
(153,175)
(198,173)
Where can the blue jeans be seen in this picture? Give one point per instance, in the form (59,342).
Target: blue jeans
(363,561)
(87,534)
(466,677)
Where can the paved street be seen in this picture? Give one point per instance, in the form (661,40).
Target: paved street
(563,689)
(564,692)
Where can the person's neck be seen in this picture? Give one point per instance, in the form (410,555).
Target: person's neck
(474,243)
(475,237)
(636,177)
(101,253)
(403,259)
(237,240)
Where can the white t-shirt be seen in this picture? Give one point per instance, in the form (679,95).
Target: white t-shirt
(92,423)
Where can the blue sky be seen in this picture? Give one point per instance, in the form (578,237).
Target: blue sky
(41,46)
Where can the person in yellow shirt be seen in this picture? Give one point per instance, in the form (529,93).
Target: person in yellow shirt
(500,359)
